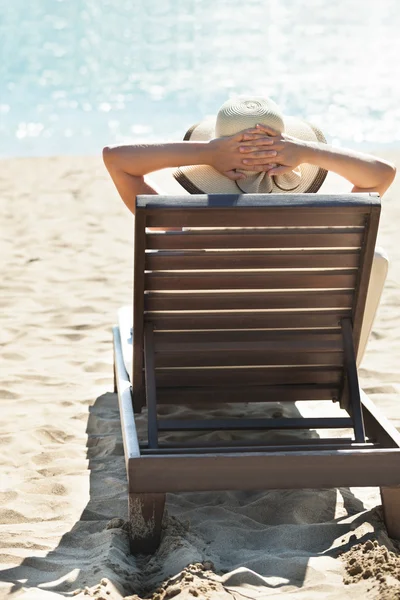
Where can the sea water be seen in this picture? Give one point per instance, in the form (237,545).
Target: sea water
(78,74)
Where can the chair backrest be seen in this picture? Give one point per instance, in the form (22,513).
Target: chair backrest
(251,292)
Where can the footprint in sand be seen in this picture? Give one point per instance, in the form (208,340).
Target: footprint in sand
(44,458)
(46,488)
(9,496)
(7,515)
(97,367)
(73,337)
(384,389)
(13,356)
(7,395)
(47,434)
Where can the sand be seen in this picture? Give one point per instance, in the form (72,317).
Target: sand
(67,251)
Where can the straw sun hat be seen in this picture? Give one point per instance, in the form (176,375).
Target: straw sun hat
(234,116)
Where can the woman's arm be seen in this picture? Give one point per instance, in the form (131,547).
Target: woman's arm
(367,173)
(128,165)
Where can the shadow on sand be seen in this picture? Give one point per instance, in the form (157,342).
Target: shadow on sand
(97,546)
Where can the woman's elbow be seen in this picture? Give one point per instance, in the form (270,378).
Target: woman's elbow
(387,175)
(388,172)
(108,155)
(120,158)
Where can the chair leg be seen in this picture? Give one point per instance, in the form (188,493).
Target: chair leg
(391,510)
(145,520)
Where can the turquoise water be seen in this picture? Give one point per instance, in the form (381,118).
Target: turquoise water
(78,74)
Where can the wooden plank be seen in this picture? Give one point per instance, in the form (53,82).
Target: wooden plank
(253,376)
(248,448)
(278,470)
(255,217)
(248,320)
(273,238)
(138,308)
(246,357)
(297,338)
(365,273)
(129,433)
(288,202)
(228,280)
(279,443)
(268,346)
(251,259)
(156,301)
(212,395)
(296,444)
(151,392)
(237,424)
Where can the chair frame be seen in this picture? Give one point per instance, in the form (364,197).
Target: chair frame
(370,458)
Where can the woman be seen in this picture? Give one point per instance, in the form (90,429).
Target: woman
(251,147)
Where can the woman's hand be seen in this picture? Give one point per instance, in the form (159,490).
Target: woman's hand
(367,173)
(226,153)
(289,151)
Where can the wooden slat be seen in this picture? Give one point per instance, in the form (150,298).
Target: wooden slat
(279,444)
(338,202)
(294,338)
(223,280)
(253,424)
(243,357)
(273,344)
(249,393)
(155,301)
(247,320)
(255,217)
(285,238)
(255,471)
(246,446)
(164,260)
(213,210)
(255,376)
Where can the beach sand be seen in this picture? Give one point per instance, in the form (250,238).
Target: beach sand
(67,250)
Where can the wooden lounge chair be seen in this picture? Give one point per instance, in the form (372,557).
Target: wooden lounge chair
(260,298)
